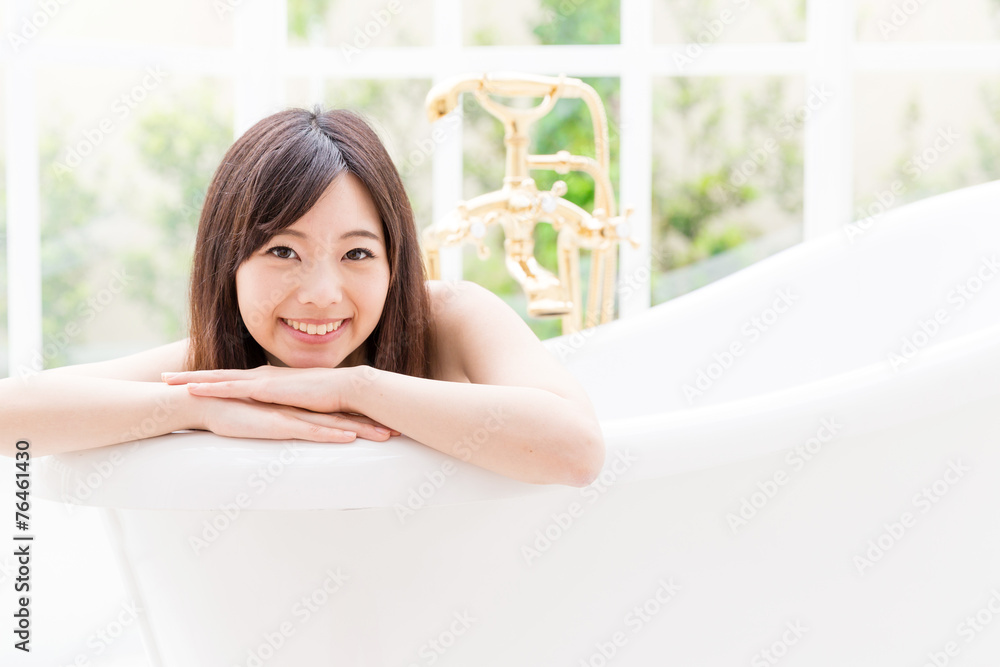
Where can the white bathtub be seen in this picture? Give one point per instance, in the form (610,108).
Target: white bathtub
(812,506)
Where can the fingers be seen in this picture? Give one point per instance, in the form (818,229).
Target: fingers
(252,384)
(221,389)
(364,429)
(252,389)
(258,417)
(362,425)
(299,429)
(186,377)
(368,420)
(246,418)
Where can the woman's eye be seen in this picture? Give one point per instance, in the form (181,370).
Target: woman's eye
(354,253)
(282,252)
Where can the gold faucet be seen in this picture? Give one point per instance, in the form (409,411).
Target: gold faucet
(519,205)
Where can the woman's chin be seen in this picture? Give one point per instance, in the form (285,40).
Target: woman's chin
(299,360)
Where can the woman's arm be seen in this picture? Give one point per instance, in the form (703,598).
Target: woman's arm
(59,413)
(93,405)
(521,413)
(106,403)
(526,433)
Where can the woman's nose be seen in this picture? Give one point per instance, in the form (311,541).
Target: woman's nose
(320,284)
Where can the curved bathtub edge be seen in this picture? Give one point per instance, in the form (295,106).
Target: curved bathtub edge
(869,399)
(203,471)
(590,343)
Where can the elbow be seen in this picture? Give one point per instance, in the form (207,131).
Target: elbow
(587,471)
(585,459)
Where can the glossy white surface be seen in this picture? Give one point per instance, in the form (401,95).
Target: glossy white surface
(221,559)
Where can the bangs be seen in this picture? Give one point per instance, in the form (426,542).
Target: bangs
(287,181)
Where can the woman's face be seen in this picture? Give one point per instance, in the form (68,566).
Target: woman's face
(315,291)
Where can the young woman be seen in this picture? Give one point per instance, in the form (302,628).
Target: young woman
(311,319)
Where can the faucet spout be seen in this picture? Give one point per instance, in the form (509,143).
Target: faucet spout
(547,295)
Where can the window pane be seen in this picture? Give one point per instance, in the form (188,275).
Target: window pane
(728,21)
(488,23)
(727,177)
(137,22)
(354,25)
(567,127)
(922,134)
(125,162)
(918,20)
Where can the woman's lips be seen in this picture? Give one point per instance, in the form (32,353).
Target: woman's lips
(294,328)
(314,327)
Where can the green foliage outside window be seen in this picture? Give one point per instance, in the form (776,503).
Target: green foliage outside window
(182,146)
(720,175)
(579,22)
(302,14)
(69,208)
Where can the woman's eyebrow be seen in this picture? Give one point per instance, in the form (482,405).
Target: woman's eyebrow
(360,232)
(292,232)
(346,235)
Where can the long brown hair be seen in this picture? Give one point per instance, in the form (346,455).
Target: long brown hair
(270,178)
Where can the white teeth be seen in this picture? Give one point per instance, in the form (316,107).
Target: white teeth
(313,329)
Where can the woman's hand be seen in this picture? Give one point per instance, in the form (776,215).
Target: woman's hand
(304,395)
(246,418)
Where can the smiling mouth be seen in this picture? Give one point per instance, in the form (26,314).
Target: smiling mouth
(314,329)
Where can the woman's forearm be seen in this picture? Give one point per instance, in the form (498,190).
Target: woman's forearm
(522,432)
(61,413)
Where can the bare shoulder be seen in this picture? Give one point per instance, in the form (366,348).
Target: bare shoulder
(145,366)
(478,333)
(460,308)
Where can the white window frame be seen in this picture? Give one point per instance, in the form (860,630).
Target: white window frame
(828,57)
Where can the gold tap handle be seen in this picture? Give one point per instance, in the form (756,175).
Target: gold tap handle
(443,98)
(611,230)
(503,111)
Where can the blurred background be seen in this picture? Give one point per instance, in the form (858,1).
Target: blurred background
(748,126)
